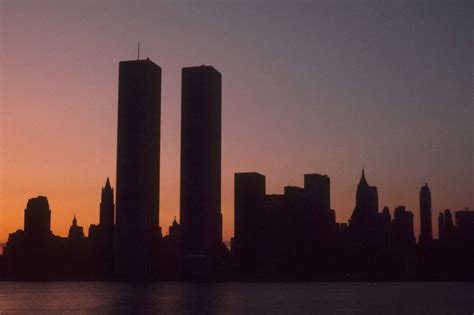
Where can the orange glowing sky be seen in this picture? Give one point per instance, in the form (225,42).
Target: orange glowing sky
(306,88)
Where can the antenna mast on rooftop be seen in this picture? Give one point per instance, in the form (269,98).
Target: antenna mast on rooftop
(138,55)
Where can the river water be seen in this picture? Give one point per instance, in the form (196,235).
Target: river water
(238,298)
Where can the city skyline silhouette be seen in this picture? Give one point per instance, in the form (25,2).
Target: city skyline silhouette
(303,117)
(237,157)
(294,236)
(324,88)
(428,217)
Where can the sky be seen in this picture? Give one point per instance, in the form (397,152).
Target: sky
(308,87)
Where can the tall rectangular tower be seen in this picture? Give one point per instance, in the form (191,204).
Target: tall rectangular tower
(37,225)
(249,218)
(426,234)
(138,167)
(200,187)
(318,189)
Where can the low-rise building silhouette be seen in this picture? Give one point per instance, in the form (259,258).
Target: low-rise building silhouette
(75,232)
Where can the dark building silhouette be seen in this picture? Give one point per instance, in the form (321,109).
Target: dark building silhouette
(378,247)
(37,219)
(29,253)
(403,226)
(276,239)
(169,253)
(249,218)
(107,207)
(452,256)
(461,229)
(385,216)
(464,220)
(449,224)
(426,234)
(300,222)
(75,232)
(174,231)
(284,242)
(102,235)
(200,187)
(446,225)
(441,225)
(318,193)
(138,167)
(367,205)
(318,189)
(282,237)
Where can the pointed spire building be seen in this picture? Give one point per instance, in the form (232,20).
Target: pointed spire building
(107,206)
(367,203)
(75,232)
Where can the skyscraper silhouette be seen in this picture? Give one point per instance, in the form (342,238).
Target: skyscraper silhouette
(465,226)
(367,204)
(318,189)
(448,223)
(425,214)
(37,219)
(249,218)
(107,206)
(403,225)
(138,167)
(441,226)
(200,187)
(102,235)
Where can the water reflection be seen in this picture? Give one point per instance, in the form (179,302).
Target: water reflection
(238,298)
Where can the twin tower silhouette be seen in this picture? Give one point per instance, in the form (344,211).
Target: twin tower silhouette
(138,170)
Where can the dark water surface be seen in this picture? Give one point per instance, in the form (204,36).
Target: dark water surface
(238,298)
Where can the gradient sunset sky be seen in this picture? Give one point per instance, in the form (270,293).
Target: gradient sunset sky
(308,87)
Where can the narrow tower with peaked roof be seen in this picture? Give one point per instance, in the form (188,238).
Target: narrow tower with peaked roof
(367,203)
(107,206)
